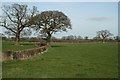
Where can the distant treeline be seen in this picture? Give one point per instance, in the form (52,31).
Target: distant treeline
(70,38)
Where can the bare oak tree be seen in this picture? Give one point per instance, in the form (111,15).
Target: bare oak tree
(15,18)
(104,34)
(49,22)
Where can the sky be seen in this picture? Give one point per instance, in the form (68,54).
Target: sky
(86,17)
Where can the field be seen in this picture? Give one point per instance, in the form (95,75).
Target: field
(0,59)
(11,46)
(68,60)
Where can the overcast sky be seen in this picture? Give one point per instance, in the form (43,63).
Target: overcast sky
(86,17)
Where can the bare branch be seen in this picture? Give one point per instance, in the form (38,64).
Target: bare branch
(17,18)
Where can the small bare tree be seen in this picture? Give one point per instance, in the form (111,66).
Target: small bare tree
(49,22)
(104,34)
(15,18)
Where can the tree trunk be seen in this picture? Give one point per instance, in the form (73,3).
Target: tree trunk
(49,40)
(103,40)
(17,39)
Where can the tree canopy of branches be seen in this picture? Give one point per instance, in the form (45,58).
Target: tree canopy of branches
(49,22)
(16,18)
(104,34)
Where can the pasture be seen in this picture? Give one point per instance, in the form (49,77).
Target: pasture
(67,60)
(11,46)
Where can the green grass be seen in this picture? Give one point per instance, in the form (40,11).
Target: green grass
(65,60)
(0,45)
(0,59)
(11,46)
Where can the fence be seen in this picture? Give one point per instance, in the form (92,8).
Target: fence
(23,54)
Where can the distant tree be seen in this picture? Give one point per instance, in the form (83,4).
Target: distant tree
(64,38)
(86,38)
(79,38)
(70,37)
(117,38)
(2,36)
(49,22)
(96,38)
(53,38)
(104,34)
(15,18)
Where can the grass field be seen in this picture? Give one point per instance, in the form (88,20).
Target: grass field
(0,45)
(11,46)
(0,59)
(65,60)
